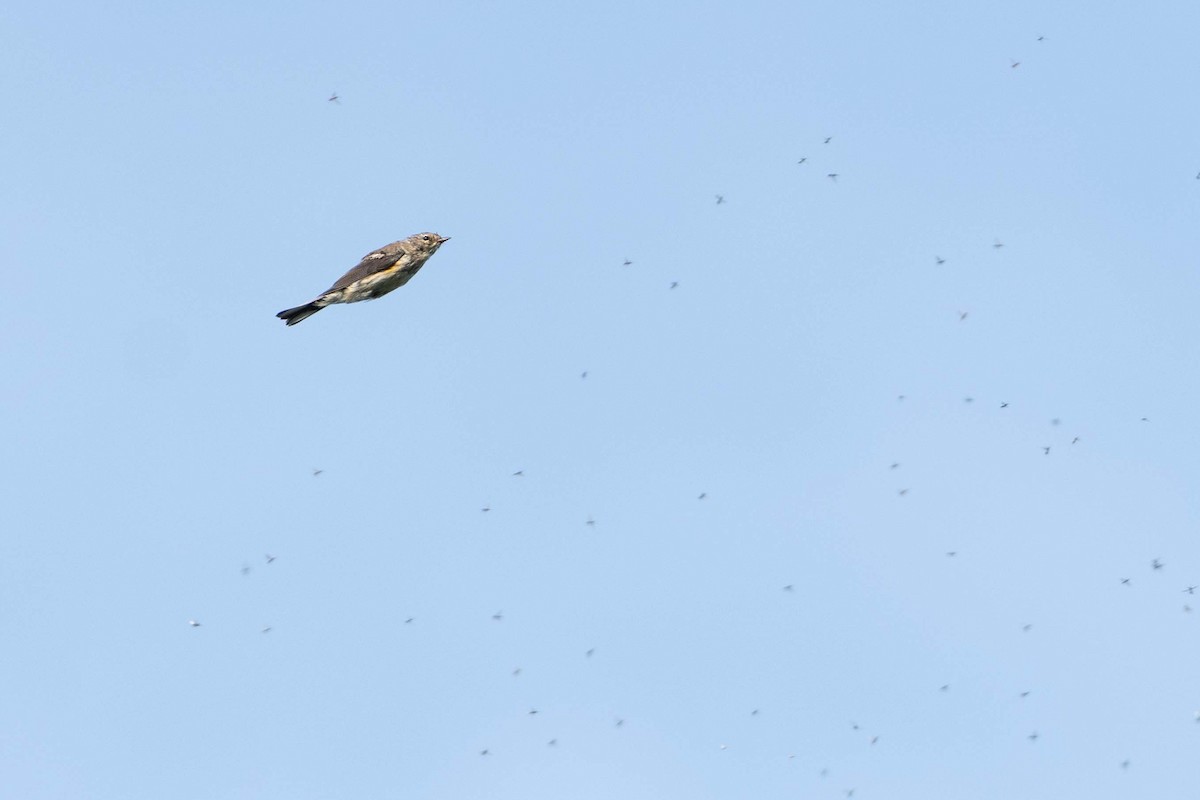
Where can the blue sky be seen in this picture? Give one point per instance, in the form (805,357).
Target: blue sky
(176,175)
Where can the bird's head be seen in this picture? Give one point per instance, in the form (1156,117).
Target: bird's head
(428,242)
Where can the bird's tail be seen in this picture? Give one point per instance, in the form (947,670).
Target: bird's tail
(300,313)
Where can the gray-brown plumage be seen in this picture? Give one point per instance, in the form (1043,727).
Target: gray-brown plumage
(379,272)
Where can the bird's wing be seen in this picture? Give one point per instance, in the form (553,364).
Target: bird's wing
(376,261)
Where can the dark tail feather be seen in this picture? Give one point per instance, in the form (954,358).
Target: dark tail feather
(299,313)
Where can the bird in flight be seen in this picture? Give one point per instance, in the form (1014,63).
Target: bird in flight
(720,199)
(269,558)
(1033,737)
(1125,581)
(499,615)
(828,139)
(962,316)
(702,495)
(833,176)
(1156,564)
(801,161)
(940,260)
(1004,405)
(519,473)
(998,245)
(789,588)
(379,272)
(674,284)
(193,623)
(627,263)
(1046,451)
(1191,589)
(317,472)
(1016,64)
(333,98)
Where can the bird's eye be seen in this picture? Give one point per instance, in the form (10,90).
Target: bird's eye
(425,238)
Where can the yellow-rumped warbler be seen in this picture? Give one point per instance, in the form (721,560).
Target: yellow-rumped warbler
(378,273)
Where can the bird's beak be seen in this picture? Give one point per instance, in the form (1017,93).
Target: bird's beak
(443,239)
